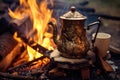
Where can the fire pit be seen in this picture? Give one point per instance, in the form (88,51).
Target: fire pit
(37,54)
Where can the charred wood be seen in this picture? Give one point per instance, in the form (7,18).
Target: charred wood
(15,77)
(36,46)
(37,72)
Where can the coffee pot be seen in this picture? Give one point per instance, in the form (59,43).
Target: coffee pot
(73,42)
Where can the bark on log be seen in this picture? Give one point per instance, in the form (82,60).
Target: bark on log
(5,63)
(7,43)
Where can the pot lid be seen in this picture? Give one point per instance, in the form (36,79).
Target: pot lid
(73,15)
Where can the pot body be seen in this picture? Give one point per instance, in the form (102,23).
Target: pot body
(73,42)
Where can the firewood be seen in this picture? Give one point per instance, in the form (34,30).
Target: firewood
(7,43)
(20,61)
(19,22)
(37,72)
(24,32)
(57,72)
(23,54)
(19,25)
(22,58)
(17,77)
(36,46)
(5,63)
(106,66)
(102,64)
(27,63)
(22,26)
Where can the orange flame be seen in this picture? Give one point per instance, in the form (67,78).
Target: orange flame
(40,16)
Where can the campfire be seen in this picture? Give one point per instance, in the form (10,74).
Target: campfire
(34,54)
(40,16)
(31,20)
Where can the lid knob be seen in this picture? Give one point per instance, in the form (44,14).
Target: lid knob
(73,15)
(73,9)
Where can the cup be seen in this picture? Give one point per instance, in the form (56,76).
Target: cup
(102,42)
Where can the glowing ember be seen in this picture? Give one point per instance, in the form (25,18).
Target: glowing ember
(40,15)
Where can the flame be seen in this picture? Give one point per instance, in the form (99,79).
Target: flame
(40,15)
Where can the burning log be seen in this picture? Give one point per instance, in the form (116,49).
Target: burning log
(19,22)
(19,25)
(7,43)
(36,46)
(22,58)
(22,65)
(22,26)
(5,63)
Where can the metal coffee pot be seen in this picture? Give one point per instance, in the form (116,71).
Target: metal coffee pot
(73,42)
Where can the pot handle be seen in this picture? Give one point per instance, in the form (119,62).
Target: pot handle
(94,23)
(55,31)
